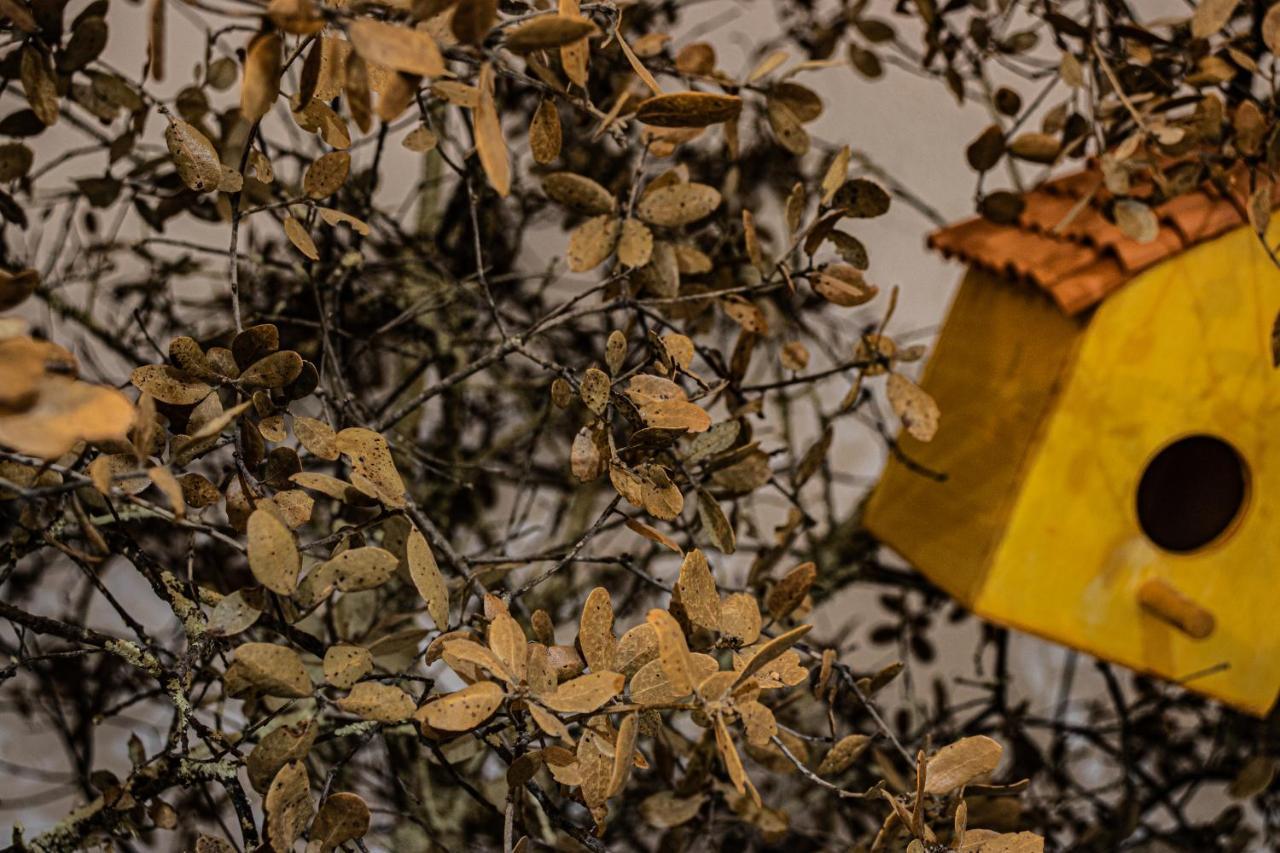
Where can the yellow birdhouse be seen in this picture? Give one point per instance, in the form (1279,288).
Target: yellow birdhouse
(1110,439)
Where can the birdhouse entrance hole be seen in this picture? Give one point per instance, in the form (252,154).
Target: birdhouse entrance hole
(1191,492)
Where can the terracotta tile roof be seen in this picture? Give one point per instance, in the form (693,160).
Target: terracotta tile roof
(1064,244)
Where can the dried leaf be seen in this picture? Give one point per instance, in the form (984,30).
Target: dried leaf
(911,403)
(373,471)
(635,246)
(585,693)
(261,83)
(326,175)
(343,817)
(544,132)
(689,109)
(508,642)
(673,652)
(273,555)
(301,240)
(575,57)
(787,594)
(957,764)
(678,204)
(841,756)
(382,703)
(595,631)
(473,19)
(595,389)
(740,619)
(1211,16)
(463,710)
(272,670)
(288,805)
(490,146)
(360,568)
(578,193)
(412,51)
(427,578)
(771,651)
(194,156)
(1136,220)
(592,242)
(346,664)
(729,755)
(548,31)
(697,590)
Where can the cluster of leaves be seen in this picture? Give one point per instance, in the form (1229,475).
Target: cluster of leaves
(371,438)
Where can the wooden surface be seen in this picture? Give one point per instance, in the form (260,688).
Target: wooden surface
(1182,349)
(993,372)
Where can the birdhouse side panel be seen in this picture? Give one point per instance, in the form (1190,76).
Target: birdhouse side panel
(994,372)
(1146,532)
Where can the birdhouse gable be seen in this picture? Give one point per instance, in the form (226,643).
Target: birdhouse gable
(1106,473)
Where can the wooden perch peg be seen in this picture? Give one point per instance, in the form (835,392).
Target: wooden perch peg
(1162,600)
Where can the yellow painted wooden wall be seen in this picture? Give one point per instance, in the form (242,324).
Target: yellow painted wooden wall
(1182,349)
(994,372)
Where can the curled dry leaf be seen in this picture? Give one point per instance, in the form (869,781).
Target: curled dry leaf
(588,456)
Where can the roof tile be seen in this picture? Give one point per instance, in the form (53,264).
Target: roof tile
(1064,244)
